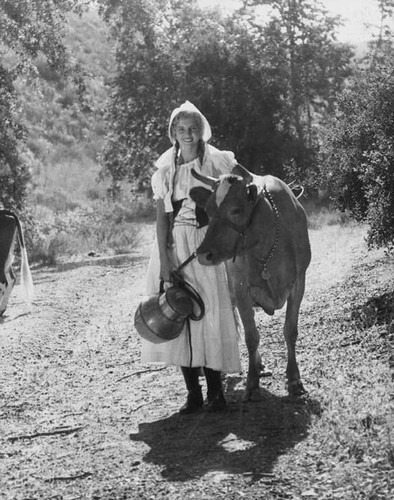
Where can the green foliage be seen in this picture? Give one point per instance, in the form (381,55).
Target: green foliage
(263,88)
(33,27)
(65,135)
(13,172)
(302,42)
(382,44)
(358,154)
(241,96)
(64,138)
(143,82)
(101,229)
(28,28)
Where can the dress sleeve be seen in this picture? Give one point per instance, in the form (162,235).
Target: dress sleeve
(161,187)
(161,180)
(223,162)
(159,184)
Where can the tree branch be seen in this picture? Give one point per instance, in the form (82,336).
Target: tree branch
(66,430)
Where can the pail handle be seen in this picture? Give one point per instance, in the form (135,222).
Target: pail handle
(187,261)
(178,280)
(184,264)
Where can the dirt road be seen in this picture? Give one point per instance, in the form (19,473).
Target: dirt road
(80,417)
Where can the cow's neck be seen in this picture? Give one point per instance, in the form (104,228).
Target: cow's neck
(258,237)
(263,233)
(247,238)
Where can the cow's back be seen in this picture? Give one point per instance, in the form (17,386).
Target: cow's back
(292,220)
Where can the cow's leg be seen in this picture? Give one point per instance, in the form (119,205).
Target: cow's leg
(240,287)
(6,289)
(3,298)
(294,384)
(7,276)
(252,339)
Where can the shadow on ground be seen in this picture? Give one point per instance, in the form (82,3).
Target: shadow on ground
(378,310)
(247,438)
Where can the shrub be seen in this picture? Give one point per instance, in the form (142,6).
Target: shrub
(78,232)
(358,154)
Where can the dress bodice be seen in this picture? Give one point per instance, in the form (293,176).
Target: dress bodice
(168,177)
(184,180)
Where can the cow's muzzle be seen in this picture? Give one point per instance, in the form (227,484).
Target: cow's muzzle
(211,255)
(207,259)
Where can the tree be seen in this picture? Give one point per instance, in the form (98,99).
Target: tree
(302,39)
(144,81)
(357,158)
(172,51)
(242,95)
(28,28)
(262,93)
(382,45)
(13,174)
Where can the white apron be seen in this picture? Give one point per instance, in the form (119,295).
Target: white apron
(213,339)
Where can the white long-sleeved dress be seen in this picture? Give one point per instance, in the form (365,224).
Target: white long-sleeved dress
(214,339)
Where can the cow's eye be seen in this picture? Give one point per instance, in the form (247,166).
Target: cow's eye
(236,211)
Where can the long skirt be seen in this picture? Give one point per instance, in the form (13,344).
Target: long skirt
(213,341)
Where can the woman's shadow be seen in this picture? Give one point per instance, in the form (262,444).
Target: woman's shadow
(247,438)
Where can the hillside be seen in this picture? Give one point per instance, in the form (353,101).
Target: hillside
(65,135)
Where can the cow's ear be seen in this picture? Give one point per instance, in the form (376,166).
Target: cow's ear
(242,172)
(252,193)
(200,195)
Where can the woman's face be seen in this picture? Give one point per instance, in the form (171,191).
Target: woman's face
(188,132)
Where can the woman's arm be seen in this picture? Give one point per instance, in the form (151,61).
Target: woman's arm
(162,228)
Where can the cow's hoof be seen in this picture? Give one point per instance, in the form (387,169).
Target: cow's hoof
(252,395)
(295,388)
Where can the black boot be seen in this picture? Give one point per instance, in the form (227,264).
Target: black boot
(194,396)
(216,401)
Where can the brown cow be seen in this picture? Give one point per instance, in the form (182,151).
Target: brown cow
(10,229)
(258,223)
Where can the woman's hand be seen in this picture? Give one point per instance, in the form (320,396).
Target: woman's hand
(165,273)
(167,285)
(165,277)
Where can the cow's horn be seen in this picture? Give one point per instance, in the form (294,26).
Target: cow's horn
(205,179)
(243,172)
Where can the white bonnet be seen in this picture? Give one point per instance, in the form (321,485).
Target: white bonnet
(188,107)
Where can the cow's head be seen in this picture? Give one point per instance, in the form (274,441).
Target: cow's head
(229,204)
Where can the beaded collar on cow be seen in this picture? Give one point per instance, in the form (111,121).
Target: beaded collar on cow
(242,233)
(221,192)
(265,274)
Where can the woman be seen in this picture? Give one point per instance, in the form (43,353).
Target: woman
(181,226)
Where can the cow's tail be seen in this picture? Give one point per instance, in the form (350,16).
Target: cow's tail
(26,277)
(298,190)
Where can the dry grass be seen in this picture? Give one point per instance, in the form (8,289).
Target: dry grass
(73,233)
